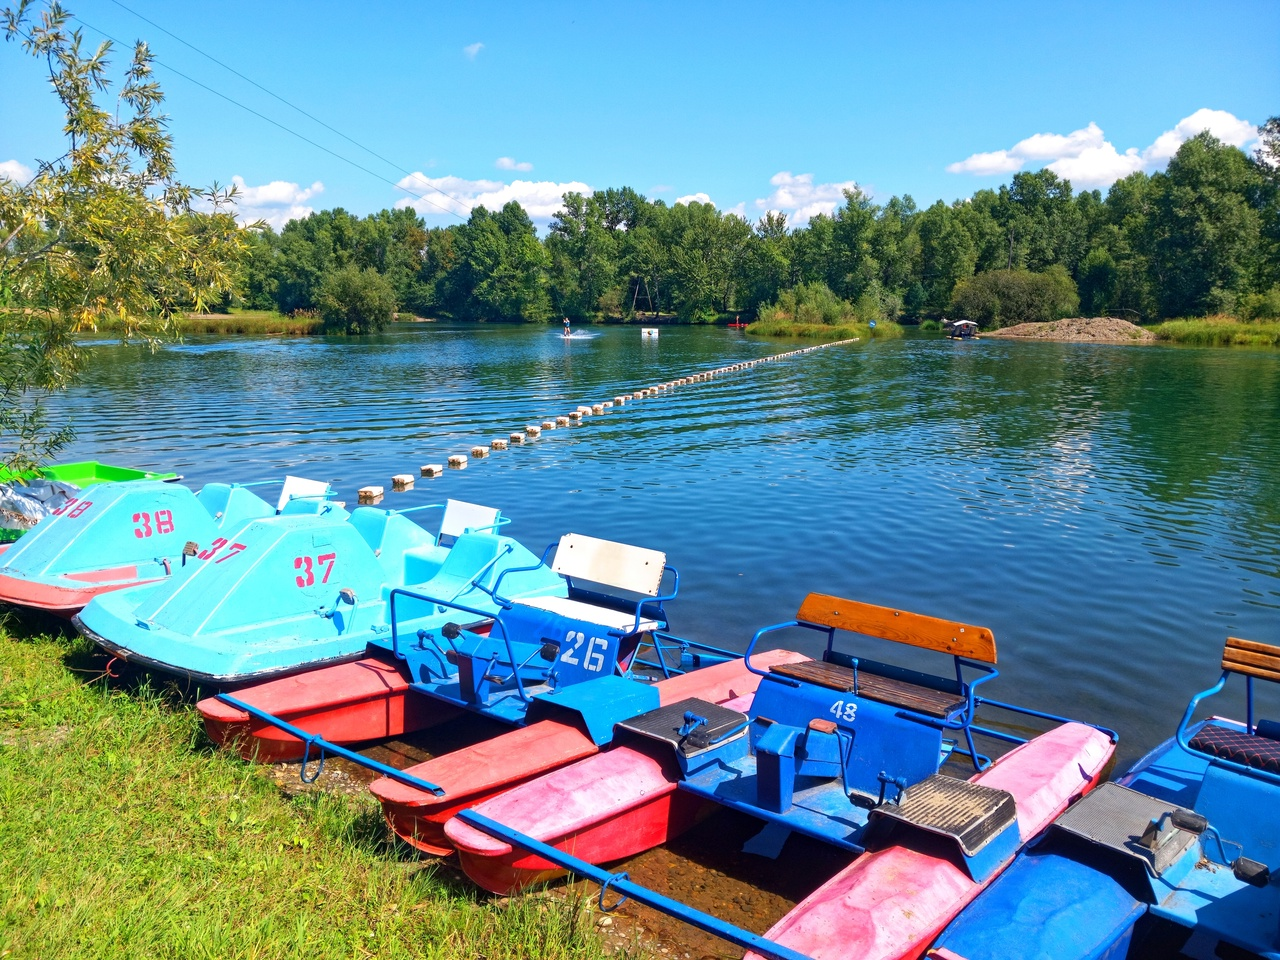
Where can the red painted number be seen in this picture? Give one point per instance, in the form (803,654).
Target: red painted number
(144,528)
(235,548)
(76,507)
(308,577)
(164,521)
(164,524)
(214,547)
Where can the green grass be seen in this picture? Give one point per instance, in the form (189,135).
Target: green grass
(1219,331)
(249,321)
(885,330)
(124,834)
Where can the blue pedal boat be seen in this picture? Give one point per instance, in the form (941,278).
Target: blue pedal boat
(120,534)
(1176,858)
(582,660)
(290,593)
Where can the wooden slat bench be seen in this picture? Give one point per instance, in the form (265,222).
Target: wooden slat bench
(886,623)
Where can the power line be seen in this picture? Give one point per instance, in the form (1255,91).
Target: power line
(288,130)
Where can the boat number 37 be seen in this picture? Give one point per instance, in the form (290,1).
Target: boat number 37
(593,661)
(844,710)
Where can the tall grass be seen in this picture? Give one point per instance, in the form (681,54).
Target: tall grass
(251,322)
(1219,331)
(124,835)
(886,330)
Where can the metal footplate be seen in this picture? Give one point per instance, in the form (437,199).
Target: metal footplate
(690,725)
(1129,823)
(969,813)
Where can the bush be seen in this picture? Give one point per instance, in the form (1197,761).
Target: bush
(352,300)
(1001,298)
(933,325)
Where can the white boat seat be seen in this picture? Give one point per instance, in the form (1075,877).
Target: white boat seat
(589,612)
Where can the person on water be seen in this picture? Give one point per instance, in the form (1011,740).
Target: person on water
(567,332)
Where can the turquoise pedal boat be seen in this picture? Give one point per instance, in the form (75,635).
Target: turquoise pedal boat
(116,535)
(291,593)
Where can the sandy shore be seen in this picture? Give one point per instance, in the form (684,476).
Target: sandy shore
(1077,330)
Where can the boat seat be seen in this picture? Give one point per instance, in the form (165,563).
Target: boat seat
(1260,753)
(589,613)
(897,693)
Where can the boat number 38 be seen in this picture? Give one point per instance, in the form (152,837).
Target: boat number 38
(593,661)
(844,710)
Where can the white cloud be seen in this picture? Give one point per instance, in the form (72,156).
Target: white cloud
(472,49)
(693,198)
(1089,160)
(276,202)
(541,199)
(510,163)
(800,198)
(15,171)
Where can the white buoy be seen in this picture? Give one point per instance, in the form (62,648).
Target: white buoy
(479,452)
(371,494)
(548,424)
(498,443)
(575,414)
(532,430)
(597,408)
(458,460)
(402,481)
(562,421)
(431,469)
(620,400)
(517,438)
(649,333)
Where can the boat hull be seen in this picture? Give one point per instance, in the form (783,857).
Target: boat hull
(476,774)
(891,903)
(68,594)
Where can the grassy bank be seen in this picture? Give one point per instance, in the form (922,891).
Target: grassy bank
(886,330)
(248,321)
(1220,331)
(125,835)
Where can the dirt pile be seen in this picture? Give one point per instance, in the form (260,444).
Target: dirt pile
(1077,330)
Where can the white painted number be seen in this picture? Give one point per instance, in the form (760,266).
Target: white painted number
(594,660)
(844,711)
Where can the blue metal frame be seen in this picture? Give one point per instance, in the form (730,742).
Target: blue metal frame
(655,613)
(310,739)
(624,885)
(1183,736)
(500,522)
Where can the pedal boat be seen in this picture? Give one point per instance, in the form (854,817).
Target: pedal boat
(561,670)
(291,593)
(1176,858)
(117,535)
(822,746)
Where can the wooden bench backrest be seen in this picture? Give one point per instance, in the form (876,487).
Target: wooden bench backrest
(945,636)
(460,516)
(1251,658)
(618,565)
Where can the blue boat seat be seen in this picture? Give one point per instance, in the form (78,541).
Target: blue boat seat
(624,620)
(1260,753)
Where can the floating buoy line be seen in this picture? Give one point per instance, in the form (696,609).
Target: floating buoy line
(458,461)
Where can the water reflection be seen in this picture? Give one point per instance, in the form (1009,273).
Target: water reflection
(1111,512)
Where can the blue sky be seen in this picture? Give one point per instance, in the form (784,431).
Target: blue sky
(755,106)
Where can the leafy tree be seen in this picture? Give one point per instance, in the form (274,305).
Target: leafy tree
(105,237)
(355,300)
(1001,298)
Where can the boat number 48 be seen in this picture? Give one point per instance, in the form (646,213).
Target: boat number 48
(593,660)
(844,710)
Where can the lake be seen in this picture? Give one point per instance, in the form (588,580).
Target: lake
(1111,512)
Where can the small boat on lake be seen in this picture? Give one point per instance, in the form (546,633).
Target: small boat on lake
(122,534)
(962,330)
(563,670)
(290,593)
(1176,858)
(823,748)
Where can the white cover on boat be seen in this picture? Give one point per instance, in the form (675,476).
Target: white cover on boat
(617,565)
(589,612)
(460,516)
(300,487)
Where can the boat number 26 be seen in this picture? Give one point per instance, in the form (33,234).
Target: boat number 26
(844,710)
(593,660)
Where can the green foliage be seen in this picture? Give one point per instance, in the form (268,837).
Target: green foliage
(931,325)
(354,300)
(1219,331)
(1001,298)
(104,237)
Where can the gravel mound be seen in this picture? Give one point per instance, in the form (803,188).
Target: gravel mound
(1077,330)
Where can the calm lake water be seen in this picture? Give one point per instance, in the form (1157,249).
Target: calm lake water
(1111,512)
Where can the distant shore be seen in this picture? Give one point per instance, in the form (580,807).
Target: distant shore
(1077,330)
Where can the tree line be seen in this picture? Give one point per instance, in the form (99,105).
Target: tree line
(1201,237)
